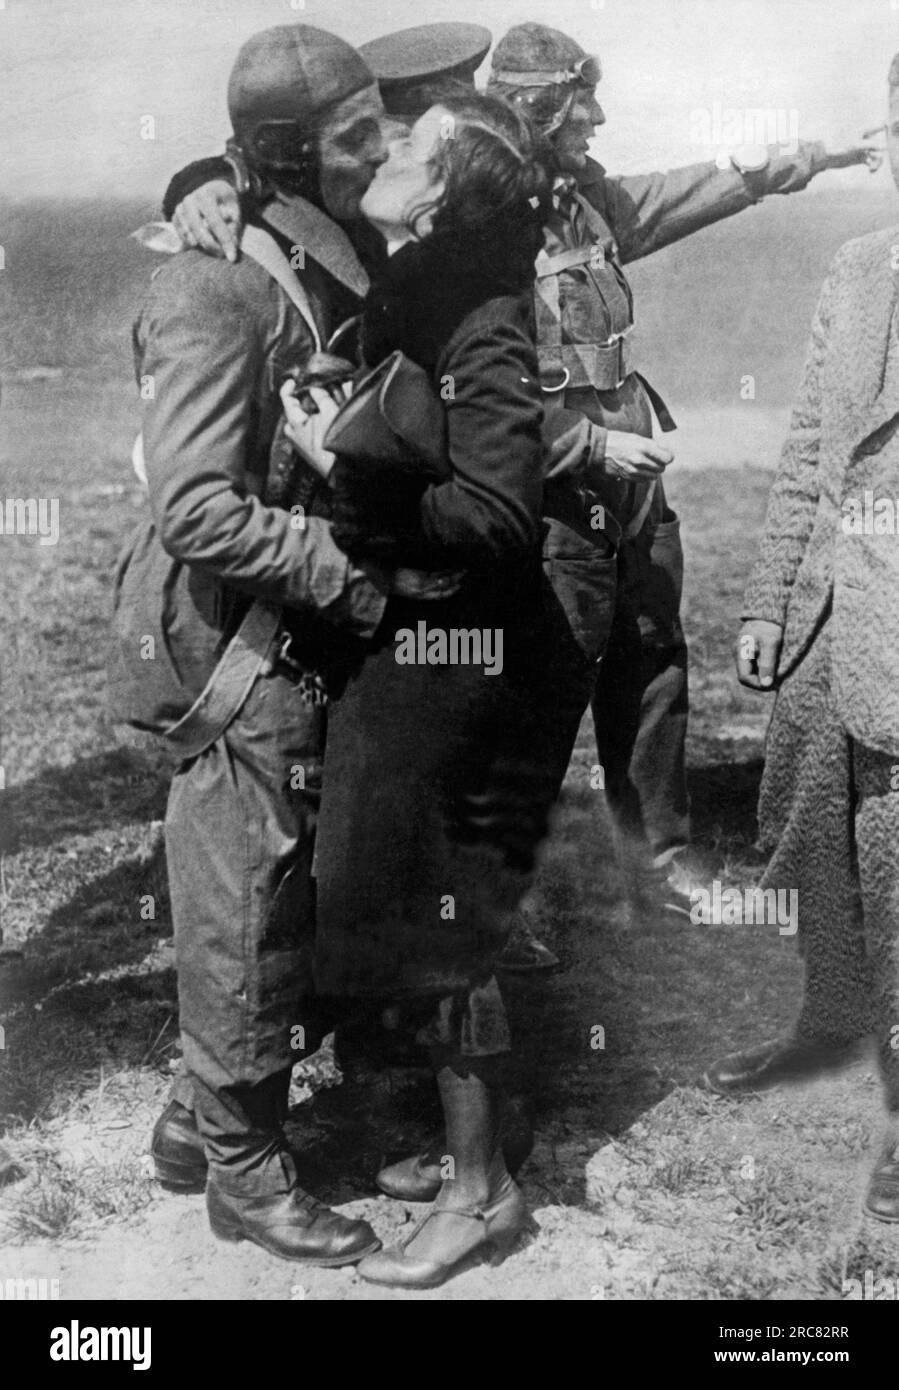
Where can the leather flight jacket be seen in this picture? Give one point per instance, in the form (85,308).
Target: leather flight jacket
(584,317)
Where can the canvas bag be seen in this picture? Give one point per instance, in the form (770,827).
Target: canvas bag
(394,418)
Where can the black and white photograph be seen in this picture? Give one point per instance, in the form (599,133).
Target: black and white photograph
(449,662)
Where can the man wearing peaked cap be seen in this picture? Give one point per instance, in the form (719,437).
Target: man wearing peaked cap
(427,51)
(413,64)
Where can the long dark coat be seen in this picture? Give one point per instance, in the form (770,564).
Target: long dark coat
(434,799)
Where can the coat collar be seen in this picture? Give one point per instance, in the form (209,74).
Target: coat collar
(593,173)
(320,237)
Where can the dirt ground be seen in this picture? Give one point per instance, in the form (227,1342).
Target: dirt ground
(641,1185)
(700,1198)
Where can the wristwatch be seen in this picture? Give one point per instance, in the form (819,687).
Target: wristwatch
(746,159)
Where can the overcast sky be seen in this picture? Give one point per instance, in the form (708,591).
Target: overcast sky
(77,76)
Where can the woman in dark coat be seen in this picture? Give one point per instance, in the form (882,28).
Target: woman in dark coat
(433,805)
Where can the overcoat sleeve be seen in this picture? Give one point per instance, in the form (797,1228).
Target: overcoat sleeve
(793,500)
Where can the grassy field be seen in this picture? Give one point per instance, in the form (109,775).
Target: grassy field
(639,1181)
(630,1195)
(733,300)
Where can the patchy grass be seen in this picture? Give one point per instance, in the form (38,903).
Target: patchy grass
(636,1177)
(61,1202)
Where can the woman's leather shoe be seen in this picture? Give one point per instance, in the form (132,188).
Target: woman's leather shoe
(418,1178)
(495,1228)
(176,1148)
(414,1179)
(882,1200)
(292,1225)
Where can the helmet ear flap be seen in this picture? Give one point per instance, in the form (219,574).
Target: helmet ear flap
(281,145)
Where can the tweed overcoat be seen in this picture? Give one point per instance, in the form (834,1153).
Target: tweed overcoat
(841,456)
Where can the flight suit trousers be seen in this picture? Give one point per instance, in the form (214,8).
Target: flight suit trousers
(640,700)
(637,690)
(239,839)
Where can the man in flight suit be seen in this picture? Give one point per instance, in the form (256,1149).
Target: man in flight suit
(217,337)
(612,547)
(216,340)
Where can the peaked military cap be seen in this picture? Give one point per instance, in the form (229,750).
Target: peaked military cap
(412,64)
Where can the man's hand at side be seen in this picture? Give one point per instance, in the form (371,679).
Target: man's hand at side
(633,456)
(589,453)
(757,652)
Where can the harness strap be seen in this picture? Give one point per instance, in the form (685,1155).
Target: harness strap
(601,365)
(595,223)
(262,248)
(548,311)
(564,260)
(635,525)
(224,694)
(663,414)
(604,366)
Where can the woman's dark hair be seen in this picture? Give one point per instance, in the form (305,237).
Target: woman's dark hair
(497,189)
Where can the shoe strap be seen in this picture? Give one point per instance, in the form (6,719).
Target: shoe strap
(475,1213)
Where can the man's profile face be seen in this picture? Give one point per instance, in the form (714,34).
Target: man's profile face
(351,145)
(571,139)
(893,134)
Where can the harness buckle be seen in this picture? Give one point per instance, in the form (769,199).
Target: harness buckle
(616,340)
(309,684)
(551,390)
(286,662)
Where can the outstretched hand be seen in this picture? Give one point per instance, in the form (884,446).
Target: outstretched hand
(866,153)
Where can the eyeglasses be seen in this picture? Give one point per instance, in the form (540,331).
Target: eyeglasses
(587,70)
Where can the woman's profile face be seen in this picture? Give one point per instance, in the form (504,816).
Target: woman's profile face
(408,180)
